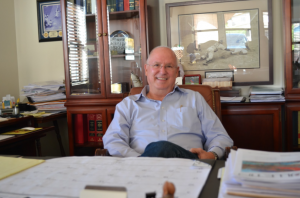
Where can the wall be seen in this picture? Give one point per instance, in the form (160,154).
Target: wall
(278,56)
(9,77)
(37,62)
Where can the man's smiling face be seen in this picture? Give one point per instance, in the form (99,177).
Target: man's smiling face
(161,70)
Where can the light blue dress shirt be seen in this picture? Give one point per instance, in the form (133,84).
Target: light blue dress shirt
(183,117)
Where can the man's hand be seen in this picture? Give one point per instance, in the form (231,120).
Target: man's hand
(202,154)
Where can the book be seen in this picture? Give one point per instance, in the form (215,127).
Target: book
(117,5)
(126,5)
(99,128)
(120,5)
(265,90)
(79,128)
(232,99)
(136,4)
(231,93)
(113,7)
(131,4)
(91,128)
(109,5)
(266,98)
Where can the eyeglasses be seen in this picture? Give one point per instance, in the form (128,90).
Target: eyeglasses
(159,66)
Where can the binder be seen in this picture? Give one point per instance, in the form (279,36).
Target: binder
(79,128)
(120,5)
(91,128)
(126,5)
(131,4)
(99,128)
(136,4)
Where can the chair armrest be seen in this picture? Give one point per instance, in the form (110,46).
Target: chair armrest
(101,152)
(228,149)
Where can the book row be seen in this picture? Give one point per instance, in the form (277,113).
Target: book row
(122,5)
(88,128)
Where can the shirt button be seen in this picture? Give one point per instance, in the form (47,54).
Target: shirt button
(162,120)
(162,107)
(163,130)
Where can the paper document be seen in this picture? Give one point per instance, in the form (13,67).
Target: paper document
(10,165)
(68,176)
(252,173)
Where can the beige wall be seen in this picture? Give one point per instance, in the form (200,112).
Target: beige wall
(24,60)
(9,77)
(37,62)
(278,60)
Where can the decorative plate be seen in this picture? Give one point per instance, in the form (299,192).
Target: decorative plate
(117,41)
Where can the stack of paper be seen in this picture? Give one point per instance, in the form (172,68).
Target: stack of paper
(233,99)
(266,98)
(251,173)
(266,94)
(47,91)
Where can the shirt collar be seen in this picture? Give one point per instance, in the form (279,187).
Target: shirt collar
(145,90)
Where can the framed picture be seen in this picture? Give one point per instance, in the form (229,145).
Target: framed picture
(194,79)
(220,74)
(220,35)
(49,20)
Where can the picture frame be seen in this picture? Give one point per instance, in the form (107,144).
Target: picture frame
(220,74)
(49,20)
(185,21)
(194,79)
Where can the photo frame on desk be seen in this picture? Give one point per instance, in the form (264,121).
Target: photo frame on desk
(210,32)
(49,20)
(220,74)
(194,79)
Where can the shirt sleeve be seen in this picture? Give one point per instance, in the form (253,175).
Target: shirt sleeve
(117,137)
(216,137)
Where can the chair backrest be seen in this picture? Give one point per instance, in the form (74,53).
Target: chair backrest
(212,96)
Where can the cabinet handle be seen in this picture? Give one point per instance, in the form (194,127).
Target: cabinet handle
(99,34)
(104,34)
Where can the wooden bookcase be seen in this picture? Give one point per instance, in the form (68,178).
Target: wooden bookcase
(90,66)
(292,74)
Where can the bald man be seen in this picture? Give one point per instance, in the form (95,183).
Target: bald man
(165,120)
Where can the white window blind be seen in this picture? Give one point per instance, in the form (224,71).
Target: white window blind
(77,39)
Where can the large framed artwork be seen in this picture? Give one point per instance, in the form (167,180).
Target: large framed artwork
(222,35)
(49,20)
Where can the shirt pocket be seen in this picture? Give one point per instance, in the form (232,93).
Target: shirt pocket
(183,120)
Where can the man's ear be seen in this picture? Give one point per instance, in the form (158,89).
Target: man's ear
(145,68)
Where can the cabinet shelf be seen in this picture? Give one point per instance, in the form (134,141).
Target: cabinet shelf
(123,14)
(123,55)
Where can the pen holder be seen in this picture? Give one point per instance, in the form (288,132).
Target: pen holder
(16,111)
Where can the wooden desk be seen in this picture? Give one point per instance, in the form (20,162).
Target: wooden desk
(25,144)
(53,118)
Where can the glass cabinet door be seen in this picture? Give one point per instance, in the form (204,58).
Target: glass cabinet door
(295,30)
(84,55)
(124,66)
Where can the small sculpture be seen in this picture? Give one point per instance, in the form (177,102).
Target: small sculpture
(136,80)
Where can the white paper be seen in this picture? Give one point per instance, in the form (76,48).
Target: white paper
(68,176)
